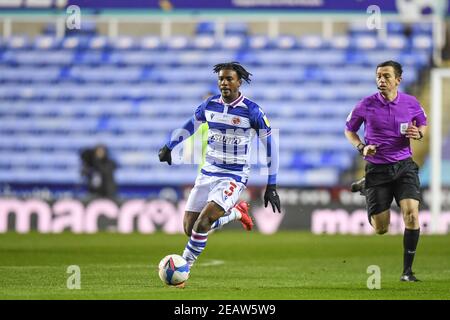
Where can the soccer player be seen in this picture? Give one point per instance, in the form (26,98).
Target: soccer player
(391,118)
(233,120)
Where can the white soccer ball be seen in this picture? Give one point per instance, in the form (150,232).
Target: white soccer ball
(173,270)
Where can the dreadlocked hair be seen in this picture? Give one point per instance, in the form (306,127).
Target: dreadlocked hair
(236,66)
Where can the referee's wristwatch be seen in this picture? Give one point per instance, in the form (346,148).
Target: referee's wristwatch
(420,136)
(360,147)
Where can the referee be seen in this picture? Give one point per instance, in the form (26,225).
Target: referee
(391,118)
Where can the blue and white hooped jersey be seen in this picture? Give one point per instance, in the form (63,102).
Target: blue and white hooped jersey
(231,130)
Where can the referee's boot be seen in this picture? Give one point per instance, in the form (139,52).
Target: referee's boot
(408,276)
(360,186)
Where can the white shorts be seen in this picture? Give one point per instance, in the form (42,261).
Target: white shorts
(224,191)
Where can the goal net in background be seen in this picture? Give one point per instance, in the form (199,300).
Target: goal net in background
(439,160)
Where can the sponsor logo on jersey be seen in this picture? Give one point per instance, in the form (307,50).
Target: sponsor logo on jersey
(225,139)
(266,121)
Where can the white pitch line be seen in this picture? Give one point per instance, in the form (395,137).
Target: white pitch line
(211,263)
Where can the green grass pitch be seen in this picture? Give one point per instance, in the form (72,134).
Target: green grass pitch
(235,265)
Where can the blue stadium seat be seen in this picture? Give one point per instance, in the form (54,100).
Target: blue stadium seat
(425,28)
(75,42)
(46,43)
(29,74)
(309,125)
(286,42)
(396,41)
(395,28)
(59,96)
(259,42)
(63,57)
(18,42)
(180,42)
(232,42)
(110,74)
(204,42)
(339,42)
(172,75)
(99,42)
(365,42)
(236,28)
(312,42)
(205,28)
(422,42)
(151,43)
(124,43)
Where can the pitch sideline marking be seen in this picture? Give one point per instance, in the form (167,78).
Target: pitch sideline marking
(211,263)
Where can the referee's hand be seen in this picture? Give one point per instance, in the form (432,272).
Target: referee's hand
(369,150)
(165,155)
(413,132)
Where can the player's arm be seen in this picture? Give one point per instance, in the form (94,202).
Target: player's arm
(181,134)
(264,132)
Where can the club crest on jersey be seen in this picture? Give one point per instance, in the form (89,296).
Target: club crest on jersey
(236,121)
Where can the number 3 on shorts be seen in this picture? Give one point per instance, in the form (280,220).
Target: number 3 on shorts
(230,190)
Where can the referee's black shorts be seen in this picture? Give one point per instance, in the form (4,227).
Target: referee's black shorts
(385,182)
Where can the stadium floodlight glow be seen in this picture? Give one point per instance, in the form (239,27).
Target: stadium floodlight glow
(437,77)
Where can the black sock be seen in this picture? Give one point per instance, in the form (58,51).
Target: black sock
(410,239)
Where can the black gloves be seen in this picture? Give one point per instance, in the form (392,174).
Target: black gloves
(271,196)
(164,155)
